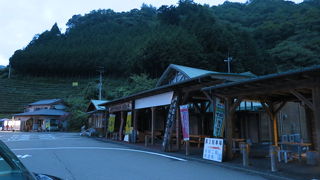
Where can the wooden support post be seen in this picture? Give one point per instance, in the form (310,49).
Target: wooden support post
(316,116)
(121,125)
(202,116)
(178,128)
(272,111)
(214,105)
(135,120)
(269,110)
(247,127)
(187,148)
(229,129)
(105,113)
(230,107)
(152,124)
(199,117)
(275,129)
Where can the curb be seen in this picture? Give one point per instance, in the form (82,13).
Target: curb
(249,170)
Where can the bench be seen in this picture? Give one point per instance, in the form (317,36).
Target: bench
(236,144)
(147,136)
(197,139)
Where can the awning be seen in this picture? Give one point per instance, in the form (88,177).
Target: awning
(152,101)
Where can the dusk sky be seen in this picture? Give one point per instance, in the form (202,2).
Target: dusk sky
(22,19)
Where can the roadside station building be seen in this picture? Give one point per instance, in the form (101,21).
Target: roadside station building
(279,109)
(153,115)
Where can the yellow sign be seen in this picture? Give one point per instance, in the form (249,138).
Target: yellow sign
(74,84)
(128,123)
(47,123)
(112,118)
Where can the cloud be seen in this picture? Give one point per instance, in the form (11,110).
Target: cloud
(3,60)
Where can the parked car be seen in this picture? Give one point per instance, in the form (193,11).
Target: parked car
(11,168)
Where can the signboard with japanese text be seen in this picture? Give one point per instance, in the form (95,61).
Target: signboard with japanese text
(121,107)
(185,121)
(112,118)
(213,149)
(218,124)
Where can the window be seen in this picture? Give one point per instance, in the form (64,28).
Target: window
(5,168)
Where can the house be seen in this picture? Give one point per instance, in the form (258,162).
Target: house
(97,115)
(43,115)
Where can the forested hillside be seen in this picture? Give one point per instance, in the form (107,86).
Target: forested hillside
(262,36)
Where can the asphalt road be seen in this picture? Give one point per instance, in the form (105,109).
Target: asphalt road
(71,157)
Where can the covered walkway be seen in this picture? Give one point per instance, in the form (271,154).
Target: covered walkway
(273,92)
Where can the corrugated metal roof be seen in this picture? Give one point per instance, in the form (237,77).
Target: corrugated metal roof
(96,104)
(191,72)
(266,77)
(45,102)
(43,112)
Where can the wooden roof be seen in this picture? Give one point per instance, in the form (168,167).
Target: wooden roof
(273,87)
(189,85)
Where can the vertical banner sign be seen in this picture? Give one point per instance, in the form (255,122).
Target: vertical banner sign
(218,119)
(185,121)
(47,124)
(170,120)
(128,123)
(112,118)
(213,149)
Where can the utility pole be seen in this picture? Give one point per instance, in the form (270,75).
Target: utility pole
(228,60)
(9,74)
(101,71)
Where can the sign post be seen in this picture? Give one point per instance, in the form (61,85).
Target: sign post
(218,119)
(213,149)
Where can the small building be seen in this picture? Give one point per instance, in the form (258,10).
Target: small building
(43,115)
(97,115)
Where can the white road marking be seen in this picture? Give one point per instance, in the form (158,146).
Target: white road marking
(46,136)
(102,148)
(23,156)
(29,137)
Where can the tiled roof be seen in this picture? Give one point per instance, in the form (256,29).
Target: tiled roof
(43,112)
(45,102)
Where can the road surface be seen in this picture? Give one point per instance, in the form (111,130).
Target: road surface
(71,157)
